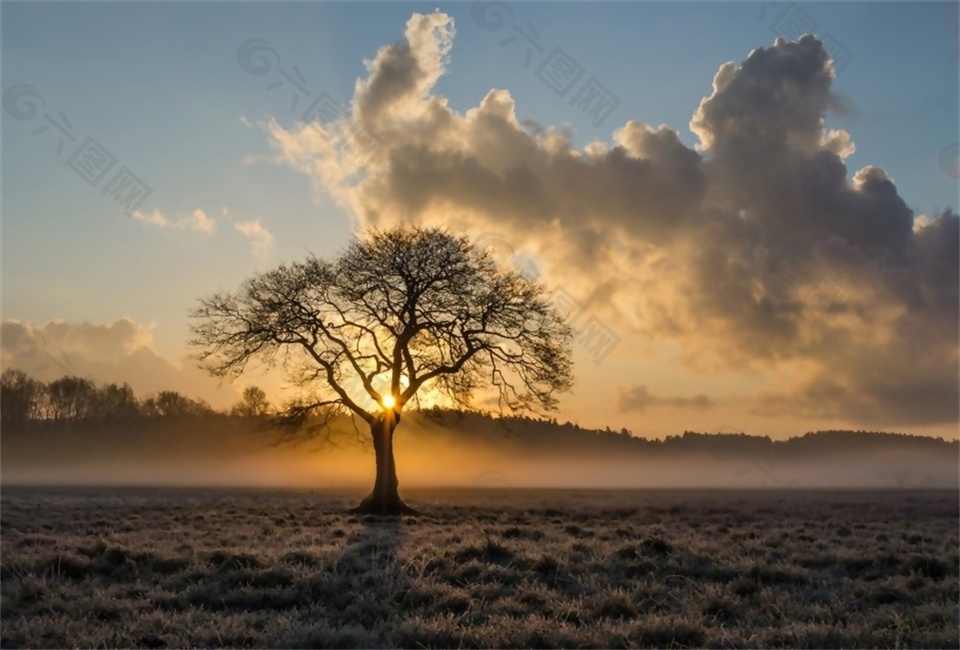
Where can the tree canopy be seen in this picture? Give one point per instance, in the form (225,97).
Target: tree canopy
(397,311)
(400,312)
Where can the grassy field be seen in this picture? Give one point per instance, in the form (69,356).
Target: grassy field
(481,568)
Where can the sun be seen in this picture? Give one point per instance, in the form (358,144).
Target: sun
(388,401)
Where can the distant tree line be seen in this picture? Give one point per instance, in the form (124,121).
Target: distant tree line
(551,433)
(73,400)
(76,399)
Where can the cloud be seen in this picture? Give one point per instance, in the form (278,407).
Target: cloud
(755,250)
(261,241)
(121,351)
(196,220)
(155,218)
(639,398)
(401,75)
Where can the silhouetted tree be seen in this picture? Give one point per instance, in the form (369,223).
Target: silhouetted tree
(253,404)
(21,397)
(116,403)
(149,408)
(398,311)
(71,398)
(171,404)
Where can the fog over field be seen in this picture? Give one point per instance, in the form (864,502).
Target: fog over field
(451,449)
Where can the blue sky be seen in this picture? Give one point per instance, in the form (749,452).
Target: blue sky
(158,85)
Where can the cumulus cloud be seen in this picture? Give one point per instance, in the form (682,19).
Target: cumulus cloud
(121,351)
(639,398)
(261,241)
(402,75)
(196,220)
(755,249)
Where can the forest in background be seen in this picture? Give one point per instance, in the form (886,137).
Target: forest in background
(74,431)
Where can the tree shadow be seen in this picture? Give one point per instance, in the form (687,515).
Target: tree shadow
(363,587)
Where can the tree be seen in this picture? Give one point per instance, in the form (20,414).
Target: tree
(72,398)
(20,396)
(171,404)
(149,408)
(116,403)
(253,404)
(400,313)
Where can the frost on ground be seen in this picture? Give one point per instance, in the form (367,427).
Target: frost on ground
(483,568)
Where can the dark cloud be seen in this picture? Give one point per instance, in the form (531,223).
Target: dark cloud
(639,398)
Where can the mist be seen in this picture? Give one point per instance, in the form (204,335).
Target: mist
(477,452)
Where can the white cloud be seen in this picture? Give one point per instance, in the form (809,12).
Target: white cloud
(261,241)
(155,218)
(196,220)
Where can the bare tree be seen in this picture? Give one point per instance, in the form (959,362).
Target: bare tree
(21,397)
(72,398)
(171,404)
(253,404)
(117,403)
(399,312)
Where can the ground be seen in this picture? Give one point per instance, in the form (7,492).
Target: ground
(480,568)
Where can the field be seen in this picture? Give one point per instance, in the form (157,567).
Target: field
(480,568)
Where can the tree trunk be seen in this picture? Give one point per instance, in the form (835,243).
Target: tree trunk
(384,499)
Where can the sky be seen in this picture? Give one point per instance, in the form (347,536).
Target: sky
(748,234)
